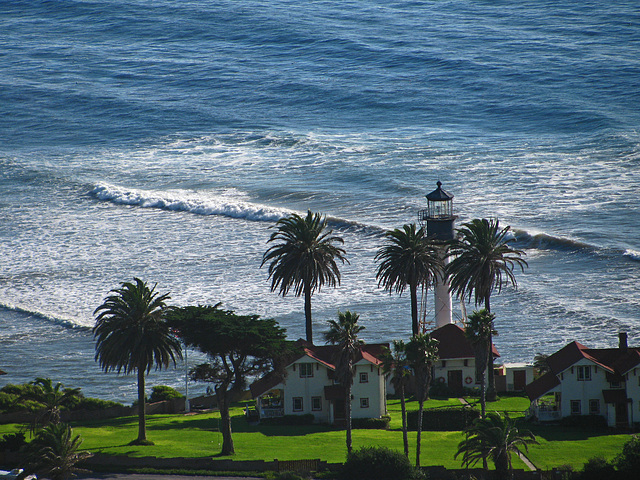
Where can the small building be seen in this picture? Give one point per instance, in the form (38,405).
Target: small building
(457,364)
(307,386)
(589,381)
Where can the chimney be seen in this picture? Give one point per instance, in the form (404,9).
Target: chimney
(623,341)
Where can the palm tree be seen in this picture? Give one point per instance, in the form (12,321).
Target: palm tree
(53,398)
(422,353)
(344,334)
(409,259)
(395,362)
(132,336)
(496,438)
(54,452)
(304,258)
(483,262)
(479,330)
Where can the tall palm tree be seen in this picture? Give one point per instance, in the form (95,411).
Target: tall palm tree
(422,353)
(479,330)
(344,334)
(410,259)
(132,336)
(395,362)
(483,261)
(305,258)
(53,398)
(496,438)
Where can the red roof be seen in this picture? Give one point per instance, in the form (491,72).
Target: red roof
(454,343)
(541,385)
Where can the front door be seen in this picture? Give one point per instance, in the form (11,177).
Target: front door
(519,380)
(339,411)
(454,380)
(622,414)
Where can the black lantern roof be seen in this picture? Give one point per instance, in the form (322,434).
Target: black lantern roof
(439,194)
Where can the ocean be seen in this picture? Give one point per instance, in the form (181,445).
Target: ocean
(164,139)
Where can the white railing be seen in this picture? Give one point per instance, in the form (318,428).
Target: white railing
(271,412)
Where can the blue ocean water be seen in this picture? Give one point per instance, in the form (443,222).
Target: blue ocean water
(163,140)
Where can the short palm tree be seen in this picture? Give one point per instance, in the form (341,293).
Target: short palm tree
(483,261)
(422,353)
(54,452)
(479,330)
(305,258)
(493,437)
(132,336)
(394,362)
(410,259)
(53,398)
(344,334)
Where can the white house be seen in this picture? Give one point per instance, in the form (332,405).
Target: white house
(590,381)
(308,386)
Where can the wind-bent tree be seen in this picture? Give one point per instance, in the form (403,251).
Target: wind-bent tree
(53,399)
(344,334)
(496,438)
(394,362)
(132,336)
(304,257)
(54,452)
(479,330)
(410,259)
(483,261)
(237,345)
(422,353)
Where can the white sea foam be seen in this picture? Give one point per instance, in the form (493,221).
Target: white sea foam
(185,201)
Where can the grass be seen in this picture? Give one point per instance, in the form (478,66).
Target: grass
(199,436)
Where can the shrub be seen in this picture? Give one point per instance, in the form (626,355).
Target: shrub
(163,392)
(590,422)
(306,419)
(628,462)
(87,403)
(283,476)
(440,390)
(443,419)
(381,423)
(12,442)
(377,463)
(597,468)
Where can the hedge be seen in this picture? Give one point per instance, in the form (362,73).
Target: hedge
(443,419)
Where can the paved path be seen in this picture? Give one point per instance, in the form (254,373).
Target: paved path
(153,476)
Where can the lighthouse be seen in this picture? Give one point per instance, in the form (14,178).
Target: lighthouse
(439,219)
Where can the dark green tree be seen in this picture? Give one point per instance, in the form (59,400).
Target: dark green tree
(53,398)
(409,259)
(494,437)
(344,334)
(132,335)
(54,452)
(395,363)
(479,330)
(304,256)
(238,346)
(422,353)
(483,262)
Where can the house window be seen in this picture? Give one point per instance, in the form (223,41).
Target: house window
(364,403)
(297,404)
(316,404)
(306,370)
(576,408)
(594,407)
(444,363)
(584,373)
(466,362)
(364,377)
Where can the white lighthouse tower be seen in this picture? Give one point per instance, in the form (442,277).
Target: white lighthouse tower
(439,218)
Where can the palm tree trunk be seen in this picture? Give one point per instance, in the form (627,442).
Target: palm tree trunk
(307,312)
(142,407)
(420,409)
(347,406)
(483,395)
(222,394)
(413,290)
(405,437)
(492,395)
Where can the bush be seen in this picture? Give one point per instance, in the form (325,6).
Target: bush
(93,404)
(590,422)
(443,419)
(381,423)
(306,419)
(161,393)
(12,442)
(377,463)
(628,462)
(597,469)
(440,390)
(283,476)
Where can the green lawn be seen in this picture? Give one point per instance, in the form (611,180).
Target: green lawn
(198,436)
